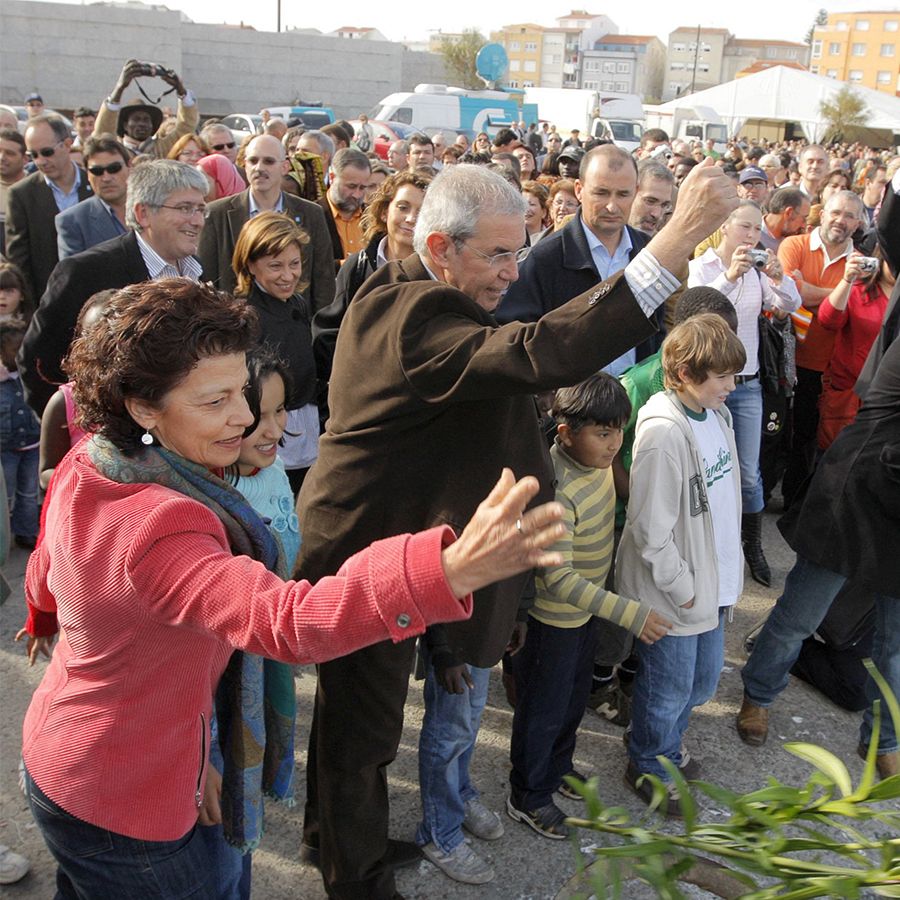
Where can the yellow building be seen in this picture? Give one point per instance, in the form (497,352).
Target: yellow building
(524,45)
(860,48)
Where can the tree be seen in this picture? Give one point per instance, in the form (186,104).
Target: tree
(459,58)
(844,111)
(821,19)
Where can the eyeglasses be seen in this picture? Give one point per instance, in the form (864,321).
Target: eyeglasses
(186,209)
(46,152)
(112,168)
(220,147)
(498,260)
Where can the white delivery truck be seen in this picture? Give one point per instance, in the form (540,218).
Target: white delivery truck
(616,117)
(690,123)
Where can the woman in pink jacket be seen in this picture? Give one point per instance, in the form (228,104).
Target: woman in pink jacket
(157,569)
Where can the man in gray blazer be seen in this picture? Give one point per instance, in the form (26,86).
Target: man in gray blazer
(265,163)
(101,217)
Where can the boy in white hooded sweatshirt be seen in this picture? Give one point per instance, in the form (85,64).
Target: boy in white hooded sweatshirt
(681,549)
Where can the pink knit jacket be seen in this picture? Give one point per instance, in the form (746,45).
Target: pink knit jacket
(151,604)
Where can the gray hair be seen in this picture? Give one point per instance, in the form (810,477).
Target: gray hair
(457,199)
(769,159)
(400,146)
(152,183)
(216,126)
(847,195)
(350,156)
(650,168)
(326,144)
(57,124)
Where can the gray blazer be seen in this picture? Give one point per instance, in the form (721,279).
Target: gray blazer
(84,225)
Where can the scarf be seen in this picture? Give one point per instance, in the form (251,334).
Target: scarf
(255,704)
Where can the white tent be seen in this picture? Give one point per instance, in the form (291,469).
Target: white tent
(786,95)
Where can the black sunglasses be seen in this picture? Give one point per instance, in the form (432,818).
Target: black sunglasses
(112,168)
(46,152)
(221,147)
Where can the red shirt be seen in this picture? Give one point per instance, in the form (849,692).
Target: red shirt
(856,328)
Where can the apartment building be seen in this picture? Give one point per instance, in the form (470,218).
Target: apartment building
(625,64)
(860,48)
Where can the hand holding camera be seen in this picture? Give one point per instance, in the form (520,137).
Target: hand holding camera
(860,267)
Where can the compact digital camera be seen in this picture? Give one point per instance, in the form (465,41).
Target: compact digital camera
(154,70)
(759,259)
(868,265)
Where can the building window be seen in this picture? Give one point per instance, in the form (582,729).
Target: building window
(592,85)
(623,68)
(888,49)
(861,25)
(891,25)
(834,49)
(530,46)
(514,84)
(703,67)
(884,78)
(816,49)
(622,87)
(530,65)
(842,26)
(609,67)
(514,65)
(855,75)
(678,48)
(858,50)
(831,73)
(514,45)
(814,70)
(675,87)
(677,67)
(771,52)
(527,84)
(609,85)
(590,65)
(552,59)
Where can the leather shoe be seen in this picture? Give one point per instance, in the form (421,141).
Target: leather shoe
(886,764)
(753,723)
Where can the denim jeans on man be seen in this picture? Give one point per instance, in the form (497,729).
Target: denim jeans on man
(808,593)
(674,675)
(745,403)
(553,682)
(102,865)
(231,869)
(446,745)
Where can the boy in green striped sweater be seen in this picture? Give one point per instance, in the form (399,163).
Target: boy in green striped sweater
(553,670)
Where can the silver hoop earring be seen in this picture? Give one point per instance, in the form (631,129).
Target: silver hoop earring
(146,439)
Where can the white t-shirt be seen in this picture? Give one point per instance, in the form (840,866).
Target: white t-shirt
(716,455)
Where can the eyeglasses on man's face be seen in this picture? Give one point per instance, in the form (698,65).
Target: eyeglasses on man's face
(187,210)
(46,152)
(498,260)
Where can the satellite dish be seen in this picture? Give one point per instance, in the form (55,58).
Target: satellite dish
(491,63)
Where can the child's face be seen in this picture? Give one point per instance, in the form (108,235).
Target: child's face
(259,449)
(710,393)
(594,446)
(10,298)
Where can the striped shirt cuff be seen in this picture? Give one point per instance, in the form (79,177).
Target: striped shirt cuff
(650,283)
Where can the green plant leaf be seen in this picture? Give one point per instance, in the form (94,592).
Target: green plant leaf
(826,762)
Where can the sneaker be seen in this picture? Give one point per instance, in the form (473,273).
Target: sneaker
(670,805)
(549,820)
(13,866)
(569,792)
(610,702)
(462,863)
(689,766)
(482,822)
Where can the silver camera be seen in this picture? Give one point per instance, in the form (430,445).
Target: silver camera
(868,265)
(759,259)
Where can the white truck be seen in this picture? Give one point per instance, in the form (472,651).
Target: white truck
(616,117)
(690,123)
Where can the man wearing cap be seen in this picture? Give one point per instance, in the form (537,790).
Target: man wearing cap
(573,140)
(34,103)
(137,123)
(570,162)
(33,203)
(753,184)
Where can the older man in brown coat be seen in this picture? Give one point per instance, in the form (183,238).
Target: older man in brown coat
(429,399)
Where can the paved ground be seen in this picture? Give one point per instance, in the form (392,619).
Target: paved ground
(528,866)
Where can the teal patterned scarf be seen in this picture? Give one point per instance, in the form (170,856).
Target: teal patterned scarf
(255,704)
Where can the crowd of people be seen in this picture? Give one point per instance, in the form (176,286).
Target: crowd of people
(274,396)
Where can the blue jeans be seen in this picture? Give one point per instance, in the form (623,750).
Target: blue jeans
(553,682)
(808,593)
(102,865)
(745,403)
(674,675)
(231,868)
(20,470)
(446,745)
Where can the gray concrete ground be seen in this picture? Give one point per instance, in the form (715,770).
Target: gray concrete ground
(528,867)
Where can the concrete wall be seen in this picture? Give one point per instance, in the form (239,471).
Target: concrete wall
(73,55)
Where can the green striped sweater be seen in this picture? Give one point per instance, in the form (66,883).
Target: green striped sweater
(569,594)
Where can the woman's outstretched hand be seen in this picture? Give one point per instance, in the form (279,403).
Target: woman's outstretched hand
(502,539)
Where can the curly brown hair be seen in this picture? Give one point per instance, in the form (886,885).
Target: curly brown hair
(146,342)
(375,214)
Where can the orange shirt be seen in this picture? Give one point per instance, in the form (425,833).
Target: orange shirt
(806,254)
(350,230)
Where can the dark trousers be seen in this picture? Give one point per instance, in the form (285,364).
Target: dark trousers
(356,730)
(553,681)
(803,435)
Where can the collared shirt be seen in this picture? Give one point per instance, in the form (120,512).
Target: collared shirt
(381,255)
(255,210)
(63,199)
(350,230)
(120,228)
(607,264)
(767,239)
(816,243)
(158,268)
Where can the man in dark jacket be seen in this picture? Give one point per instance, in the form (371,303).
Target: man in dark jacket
(430,399)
